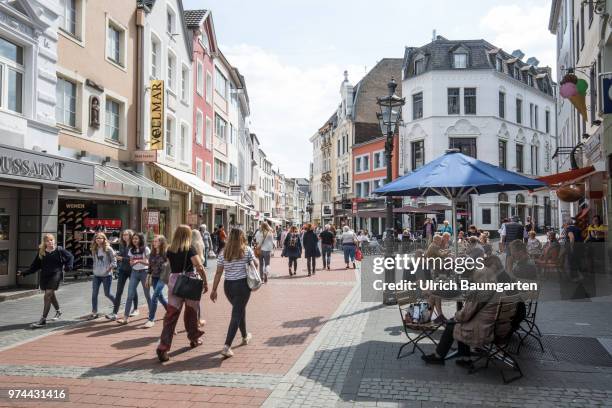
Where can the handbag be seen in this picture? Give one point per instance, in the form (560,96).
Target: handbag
(317,252)
(188,287)
(253,276)
(358,255)
(258,246)
(165,272)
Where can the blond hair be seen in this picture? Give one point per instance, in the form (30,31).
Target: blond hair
(181,240)
(265,227)
(197,243)
(94,245)
(43,245)
(236,245)
(163,246)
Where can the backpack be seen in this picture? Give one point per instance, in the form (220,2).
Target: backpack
(293,241)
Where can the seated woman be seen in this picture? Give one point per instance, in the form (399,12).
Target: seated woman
(534,246)
(472,326)
(550,251)
(435,251)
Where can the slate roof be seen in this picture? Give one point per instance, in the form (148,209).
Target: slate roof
(438,55)
(193,18)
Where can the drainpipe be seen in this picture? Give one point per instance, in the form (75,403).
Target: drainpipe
(140,143)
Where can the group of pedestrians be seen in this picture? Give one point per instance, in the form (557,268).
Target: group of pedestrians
(178,263)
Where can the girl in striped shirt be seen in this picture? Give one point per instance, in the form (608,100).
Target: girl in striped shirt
(233,261)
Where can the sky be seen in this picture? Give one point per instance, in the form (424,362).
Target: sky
(293,52)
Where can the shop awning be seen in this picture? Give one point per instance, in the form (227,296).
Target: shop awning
(274,220)
(210,195)
(408,209)
(567,176)
(118,182)
(372,213)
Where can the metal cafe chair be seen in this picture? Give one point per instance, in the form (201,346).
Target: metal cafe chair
(528,326)
(415,332)
(498,348)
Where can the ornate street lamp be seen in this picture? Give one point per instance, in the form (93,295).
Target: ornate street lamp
(389,117)
(309,208)
(344,187)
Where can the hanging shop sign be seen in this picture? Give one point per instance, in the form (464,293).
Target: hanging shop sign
(144,156)
(606,92)
(99,222)
(153,217)
(157,114)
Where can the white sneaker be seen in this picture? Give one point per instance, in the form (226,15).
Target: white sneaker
(135,312)
(111,316)
(247,339)
(149,324)
(227,352)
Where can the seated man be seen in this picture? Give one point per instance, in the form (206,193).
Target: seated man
(523,267)
(472,326)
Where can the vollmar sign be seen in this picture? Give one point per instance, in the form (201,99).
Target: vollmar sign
(157,114)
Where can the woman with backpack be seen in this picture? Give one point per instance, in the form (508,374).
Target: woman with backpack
(292,248)
(124,270)
(233,263)
(139,261)
(104,261)
(50,261)
(264,241)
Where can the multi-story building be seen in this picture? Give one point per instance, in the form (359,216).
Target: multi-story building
(353,122)
(580,28)
(204,47)
(491,105)
(167,114)
(369,173)
(279,197)
(96,117)
(255,185)
(31,171)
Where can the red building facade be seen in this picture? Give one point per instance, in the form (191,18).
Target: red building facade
(204,46)
(369,172)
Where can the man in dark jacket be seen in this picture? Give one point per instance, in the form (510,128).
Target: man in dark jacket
(511,231)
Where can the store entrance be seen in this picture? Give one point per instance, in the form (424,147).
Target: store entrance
(8,235)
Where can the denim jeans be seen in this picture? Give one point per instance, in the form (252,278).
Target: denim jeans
(349,252)
(326,251)
(137,276)
(264,260)
(206,249)
(122,279)
(106,283)
(158,294)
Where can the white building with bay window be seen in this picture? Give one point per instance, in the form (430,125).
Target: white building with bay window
(489,104)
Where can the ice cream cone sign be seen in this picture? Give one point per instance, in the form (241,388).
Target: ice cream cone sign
(575,90)
(579,102)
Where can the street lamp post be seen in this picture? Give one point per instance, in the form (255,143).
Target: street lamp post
(389,118)
(309,208)
(343,189)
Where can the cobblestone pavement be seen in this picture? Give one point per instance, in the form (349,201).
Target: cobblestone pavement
(284,317)
(316,344)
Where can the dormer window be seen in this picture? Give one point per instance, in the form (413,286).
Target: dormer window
(529,79)
(517,72)
(418,66)
(460,60)
(499,64)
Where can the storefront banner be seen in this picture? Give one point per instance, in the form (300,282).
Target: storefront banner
(157,114)
(153,217)
(98,222)
(606,92)
(26,165)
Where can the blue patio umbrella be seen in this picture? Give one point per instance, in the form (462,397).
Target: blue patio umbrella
(454,176)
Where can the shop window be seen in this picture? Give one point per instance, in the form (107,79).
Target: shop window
(486,216)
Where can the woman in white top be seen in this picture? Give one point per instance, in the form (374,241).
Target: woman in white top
(198,244)
(264,239)
(349,245)
(139,260)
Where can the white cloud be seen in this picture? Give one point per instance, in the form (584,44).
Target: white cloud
(288,103)
(514,27)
